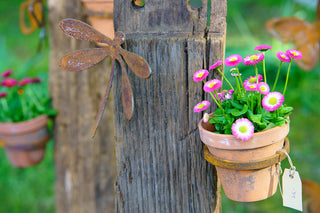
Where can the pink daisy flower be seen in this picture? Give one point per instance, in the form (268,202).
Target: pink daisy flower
(253,79)
(283,57)
(6,73)
(9,82)
(295,54)
(243,129)
(251,87)
(263,88)
(253,59)
(36,80)
(215,65)
(203,105)
(212,85)
(25,81)
(233,60)
(200,75)
(3,94)
(227,94)
(205,117)
(220,97)
(272,101)
(263,47)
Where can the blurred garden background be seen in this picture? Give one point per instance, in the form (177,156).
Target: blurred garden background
(32,189)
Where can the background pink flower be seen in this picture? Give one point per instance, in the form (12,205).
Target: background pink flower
(200,75)
(6,73)
(203,105)
(25,81)
(233,60)
(263,47)
(3,94)
(253,59)
(295,54)
(215,65)
(212,85)
(283,57)
(9,82)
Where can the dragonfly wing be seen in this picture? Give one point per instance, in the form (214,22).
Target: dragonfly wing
(83,59)
(137,64)
(104,101)
(288,28)
(82,31)
(310,51)
(127,94)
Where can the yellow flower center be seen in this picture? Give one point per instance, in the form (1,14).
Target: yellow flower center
(252,80)
(253,57)
(200,75)
(243,129)
(283,56)
(273,100)
(212,84)
(20,92)
(263,88)
(294,53)
(251,86)
(201,106)
(233,59)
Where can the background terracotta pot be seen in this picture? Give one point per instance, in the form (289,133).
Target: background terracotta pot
(100,15)
(246,185)
(25,142)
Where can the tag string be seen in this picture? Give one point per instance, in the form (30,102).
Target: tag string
(292,167)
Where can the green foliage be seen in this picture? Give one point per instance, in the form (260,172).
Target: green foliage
(24,103)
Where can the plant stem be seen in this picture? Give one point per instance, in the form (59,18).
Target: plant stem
(256,71)
(252,101)
(287,79)
(215,100)
(224,77)
(23,106)
(239,77)
(275,82)
(238,84)
(264,69)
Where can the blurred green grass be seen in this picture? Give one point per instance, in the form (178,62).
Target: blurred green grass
(32,189)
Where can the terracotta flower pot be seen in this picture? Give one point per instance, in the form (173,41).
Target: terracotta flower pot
(25,142)
(242,184)
(100,15)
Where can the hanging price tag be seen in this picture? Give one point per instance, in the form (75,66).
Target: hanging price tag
(292,189)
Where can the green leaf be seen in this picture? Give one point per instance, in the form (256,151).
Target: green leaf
(236,112)
(237,105)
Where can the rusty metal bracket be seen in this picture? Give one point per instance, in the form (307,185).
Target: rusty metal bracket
(263,163)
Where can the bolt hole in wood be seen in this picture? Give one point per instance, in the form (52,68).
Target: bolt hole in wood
(197,4)
(138,3)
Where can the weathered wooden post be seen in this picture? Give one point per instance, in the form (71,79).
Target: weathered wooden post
(159,157)
(160,164)
(85,169)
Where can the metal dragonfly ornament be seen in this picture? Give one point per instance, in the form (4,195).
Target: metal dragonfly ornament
(304,35)
(33,10)
(83,59)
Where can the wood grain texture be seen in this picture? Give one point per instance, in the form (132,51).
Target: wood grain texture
(159,155)
(85,169)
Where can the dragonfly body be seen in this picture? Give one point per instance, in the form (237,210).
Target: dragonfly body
(83,59)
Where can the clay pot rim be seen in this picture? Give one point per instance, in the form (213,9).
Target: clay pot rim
(231,142)
(23,126)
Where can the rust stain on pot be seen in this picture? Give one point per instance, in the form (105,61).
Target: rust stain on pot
(84,59)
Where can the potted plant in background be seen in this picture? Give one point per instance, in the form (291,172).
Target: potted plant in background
(100,15)
(248,128)
(24,111)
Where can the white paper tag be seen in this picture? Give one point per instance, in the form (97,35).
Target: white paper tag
(292,189)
